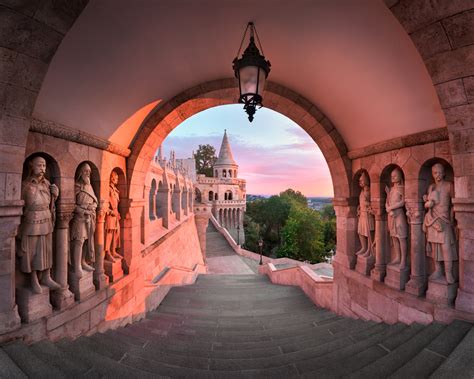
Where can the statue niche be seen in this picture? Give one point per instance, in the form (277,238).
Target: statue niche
(438,225)
(83,223)
(366,223)
(112,221)
(397,220)
(113,260)
(36,229)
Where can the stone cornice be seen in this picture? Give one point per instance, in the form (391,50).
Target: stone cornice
(53,129)
(429,136)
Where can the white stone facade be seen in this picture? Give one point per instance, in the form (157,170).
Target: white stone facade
(225,192)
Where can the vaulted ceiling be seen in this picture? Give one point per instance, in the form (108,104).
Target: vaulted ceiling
(350,58)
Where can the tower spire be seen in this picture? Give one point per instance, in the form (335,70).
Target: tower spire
(225,152)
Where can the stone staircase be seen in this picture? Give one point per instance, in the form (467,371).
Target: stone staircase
(227,326)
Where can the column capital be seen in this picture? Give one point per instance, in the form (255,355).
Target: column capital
(415,212)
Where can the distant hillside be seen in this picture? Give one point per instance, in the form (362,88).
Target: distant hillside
(251,197)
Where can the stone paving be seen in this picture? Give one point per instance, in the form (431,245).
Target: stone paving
(243,326)
(221,258)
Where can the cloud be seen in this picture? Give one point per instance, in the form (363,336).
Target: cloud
(287,157)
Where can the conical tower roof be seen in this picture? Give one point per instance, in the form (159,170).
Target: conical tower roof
(225,153)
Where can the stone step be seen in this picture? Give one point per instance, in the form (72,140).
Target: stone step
(29,363)
(246,327)
(154,367)
(397,356)
(339,356)
(105,366)
(460,363)
(51,355)
(433,355)
(8,367)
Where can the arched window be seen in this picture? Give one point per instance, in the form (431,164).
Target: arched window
(216,197)
(215,174)
(224,173)
(228,195)
(211,196)
(230,173)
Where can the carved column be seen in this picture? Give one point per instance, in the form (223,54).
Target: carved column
(417,283)
(10,215)
(133,238)
(152,205)
(379,271)
(346,221)
(464,210)
(163,198)
(62,298)
(100,279)
(177,203)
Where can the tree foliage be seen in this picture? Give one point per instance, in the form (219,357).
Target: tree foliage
(289,228)
(205,158)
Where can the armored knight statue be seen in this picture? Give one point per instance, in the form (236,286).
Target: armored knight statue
(36,230)
(83,223)
(397,221)
(112,221)
(439,225)
(366,223)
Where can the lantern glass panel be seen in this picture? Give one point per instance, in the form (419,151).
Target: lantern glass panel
(248,79)
(261,82)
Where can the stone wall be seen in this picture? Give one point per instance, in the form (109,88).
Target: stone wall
(117,293)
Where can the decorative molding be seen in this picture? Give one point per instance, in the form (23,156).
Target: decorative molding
(422,138)
(53,129)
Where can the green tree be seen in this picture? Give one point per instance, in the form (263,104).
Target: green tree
(205,157)
(302,236)
(296,196)
(252,234)
(329,227)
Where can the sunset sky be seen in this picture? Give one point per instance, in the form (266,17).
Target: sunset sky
(273,153)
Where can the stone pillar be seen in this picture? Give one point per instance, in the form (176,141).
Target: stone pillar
(177,199)
(346,221)
(132,231)
(100,279)
(417,283)
(163,198)
(201,219)
(62,298)
(464,211)
(10,216)
(381,251)
(152,204)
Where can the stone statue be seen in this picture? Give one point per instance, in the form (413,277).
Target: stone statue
(366,223)
(83,223)
(397,221)
(439,224)
(36,230)
(112,221)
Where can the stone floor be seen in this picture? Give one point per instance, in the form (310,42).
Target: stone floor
(234,326)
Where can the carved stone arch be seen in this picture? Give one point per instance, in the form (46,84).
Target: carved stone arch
(167,115)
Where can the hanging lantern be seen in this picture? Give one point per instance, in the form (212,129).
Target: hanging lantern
(252,71)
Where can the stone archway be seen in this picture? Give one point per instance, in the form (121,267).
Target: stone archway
(165,117)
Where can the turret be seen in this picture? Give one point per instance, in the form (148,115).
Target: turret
(225,166)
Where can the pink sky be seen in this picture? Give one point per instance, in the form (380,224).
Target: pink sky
(273,153)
